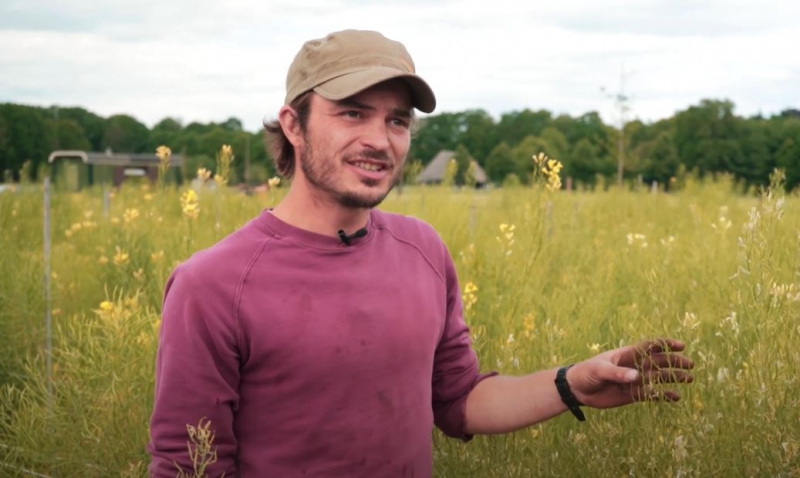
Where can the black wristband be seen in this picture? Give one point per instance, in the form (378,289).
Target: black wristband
(566,394)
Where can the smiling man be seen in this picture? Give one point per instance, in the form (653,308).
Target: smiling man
(325,337)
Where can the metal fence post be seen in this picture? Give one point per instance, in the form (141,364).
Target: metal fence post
(48,316)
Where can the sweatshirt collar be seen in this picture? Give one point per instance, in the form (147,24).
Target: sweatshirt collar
(284,230)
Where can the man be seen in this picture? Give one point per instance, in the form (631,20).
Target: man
(326,338)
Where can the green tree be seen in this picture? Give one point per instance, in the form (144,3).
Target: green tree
(479,134)
(436,133)
(125,134)
(166,132)
(28,137)
(788,159)
(517,125)
(232,124)
(93,126)
(705,136)
(754,163)
(585,162)
(660,159)
(71,136)
(500,163)
(463,158)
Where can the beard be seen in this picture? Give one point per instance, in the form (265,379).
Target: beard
(323,173)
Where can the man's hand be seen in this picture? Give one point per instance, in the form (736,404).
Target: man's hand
(626,375)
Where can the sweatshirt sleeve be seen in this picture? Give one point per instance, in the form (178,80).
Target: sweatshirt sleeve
(197,374)
(455,369)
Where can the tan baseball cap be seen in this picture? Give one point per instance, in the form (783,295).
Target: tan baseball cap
(347,62)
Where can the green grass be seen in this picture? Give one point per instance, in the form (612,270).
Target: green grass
(565,282)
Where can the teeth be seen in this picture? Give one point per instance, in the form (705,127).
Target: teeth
(368,166)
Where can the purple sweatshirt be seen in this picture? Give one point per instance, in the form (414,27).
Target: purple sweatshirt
(312,358)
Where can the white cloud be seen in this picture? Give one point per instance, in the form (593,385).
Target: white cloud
(207,61)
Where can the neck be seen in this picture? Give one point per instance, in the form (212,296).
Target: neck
(304,209)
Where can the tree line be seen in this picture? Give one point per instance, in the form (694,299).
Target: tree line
(707,139)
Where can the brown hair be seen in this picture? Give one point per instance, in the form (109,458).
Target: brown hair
(276,142)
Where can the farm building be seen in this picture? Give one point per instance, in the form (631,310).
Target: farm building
(435,170)
(74,170)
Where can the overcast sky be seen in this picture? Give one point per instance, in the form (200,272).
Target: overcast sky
(204,60)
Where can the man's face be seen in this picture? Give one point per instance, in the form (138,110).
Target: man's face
(353,150)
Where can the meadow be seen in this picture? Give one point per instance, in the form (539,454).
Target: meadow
(549,278)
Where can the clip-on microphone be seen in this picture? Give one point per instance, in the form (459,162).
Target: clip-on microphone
(346,239)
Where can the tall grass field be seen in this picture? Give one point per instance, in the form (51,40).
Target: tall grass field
(548,278)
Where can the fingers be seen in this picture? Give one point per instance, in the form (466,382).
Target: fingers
(661,345)
(646,394)
(658,352)
(667,376)
(649,394)
(665,360)
(607,371)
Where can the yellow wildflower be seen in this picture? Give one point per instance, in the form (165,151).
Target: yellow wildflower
(157,256)
(549,169)
(224,160)
(143,339)
(103,260)
(274,182)
(120,257)
(106,306)
(203,174)
(130,215)
(163,153)
(529,326)
(148,197)
(190,204)
(227,151)
(469,298)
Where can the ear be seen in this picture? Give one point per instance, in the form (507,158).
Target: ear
(287,117)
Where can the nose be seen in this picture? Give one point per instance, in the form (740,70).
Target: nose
(376,135)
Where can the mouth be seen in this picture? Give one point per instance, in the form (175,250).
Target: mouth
(372,166)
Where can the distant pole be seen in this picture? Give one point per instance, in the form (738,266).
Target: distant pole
(48,316)
(55,123)
(106,200)
(621,100)
(623,109)
(472,222)
(247,164)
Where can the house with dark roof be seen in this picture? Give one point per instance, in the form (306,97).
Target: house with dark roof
(435,170)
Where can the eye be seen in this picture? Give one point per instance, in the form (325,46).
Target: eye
(352,114)
(402,123)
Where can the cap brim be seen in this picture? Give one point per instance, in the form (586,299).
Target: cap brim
(350,84)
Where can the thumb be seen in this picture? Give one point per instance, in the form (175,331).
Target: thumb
(613,373)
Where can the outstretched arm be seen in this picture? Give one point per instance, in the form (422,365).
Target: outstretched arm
(618,377)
